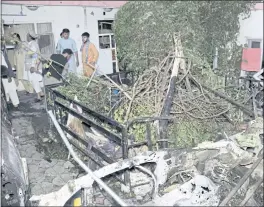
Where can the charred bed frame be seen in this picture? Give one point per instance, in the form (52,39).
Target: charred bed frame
(121,138)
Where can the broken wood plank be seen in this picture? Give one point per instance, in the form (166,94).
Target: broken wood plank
(171,92)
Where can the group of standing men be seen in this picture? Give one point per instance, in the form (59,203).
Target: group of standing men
(88,50)
(27,63)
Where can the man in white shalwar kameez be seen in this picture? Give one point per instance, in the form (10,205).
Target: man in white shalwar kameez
(9,84)
(31,65)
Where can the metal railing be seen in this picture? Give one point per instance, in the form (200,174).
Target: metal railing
(79,161)
(115,132)
(120,138)
(59,109)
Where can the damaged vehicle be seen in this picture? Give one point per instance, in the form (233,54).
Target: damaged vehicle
(15,187)
(227,172)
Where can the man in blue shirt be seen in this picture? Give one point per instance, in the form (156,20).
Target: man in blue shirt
(67,43)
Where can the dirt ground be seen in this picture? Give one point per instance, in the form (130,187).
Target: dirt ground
(38,142)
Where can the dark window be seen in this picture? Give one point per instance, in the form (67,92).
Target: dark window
(104,42)
(113,41)
(255,44)
(107,39)
(46,38)
(114,67)
(46,44)
(44,41)
(105,26)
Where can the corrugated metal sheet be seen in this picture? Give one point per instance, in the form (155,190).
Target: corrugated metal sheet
(108,4)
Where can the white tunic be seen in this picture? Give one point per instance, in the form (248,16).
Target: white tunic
(32,61)
(9,87)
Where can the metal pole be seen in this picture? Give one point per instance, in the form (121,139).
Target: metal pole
(91,77)
(254,101)
(251,192)
(80,162)
(45,95)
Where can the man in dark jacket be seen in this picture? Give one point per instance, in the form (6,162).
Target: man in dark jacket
(60,64)
(10,71)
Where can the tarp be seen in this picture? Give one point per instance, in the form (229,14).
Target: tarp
(251,59)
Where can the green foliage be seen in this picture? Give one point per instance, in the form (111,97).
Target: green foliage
(139,130)
(144,30)
(96,97)
(190,132)
(144,35)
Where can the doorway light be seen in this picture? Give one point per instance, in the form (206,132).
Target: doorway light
(32,8)
(108,9)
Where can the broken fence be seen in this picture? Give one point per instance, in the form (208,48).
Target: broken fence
(91,118)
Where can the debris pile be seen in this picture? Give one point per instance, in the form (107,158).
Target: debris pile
(200,176)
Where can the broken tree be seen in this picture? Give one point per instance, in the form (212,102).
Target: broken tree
(178,64)
(152,30)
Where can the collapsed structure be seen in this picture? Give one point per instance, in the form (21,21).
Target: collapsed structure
(229,171)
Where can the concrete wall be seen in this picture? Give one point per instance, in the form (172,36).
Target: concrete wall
(71,17)
(251,28)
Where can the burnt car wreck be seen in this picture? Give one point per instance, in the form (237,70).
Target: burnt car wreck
(184,178)
(14,189)
(226,172)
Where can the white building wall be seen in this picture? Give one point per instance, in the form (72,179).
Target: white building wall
(71,16)
(251,28)
(66,17)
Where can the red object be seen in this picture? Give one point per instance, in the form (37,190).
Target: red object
(258,6)
(251,59)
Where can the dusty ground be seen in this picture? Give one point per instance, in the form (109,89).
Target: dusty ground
(48,166)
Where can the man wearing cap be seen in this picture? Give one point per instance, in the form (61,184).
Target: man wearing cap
(19,63)
(32,64)
(67,43)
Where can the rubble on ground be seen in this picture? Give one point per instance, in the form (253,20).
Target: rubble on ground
(201,176)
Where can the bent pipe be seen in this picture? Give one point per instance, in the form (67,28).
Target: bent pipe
(80,162)
(60,197)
